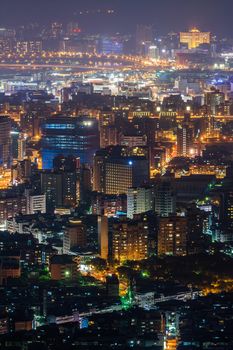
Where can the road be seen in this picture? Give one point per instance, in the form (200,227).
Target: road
(54,66)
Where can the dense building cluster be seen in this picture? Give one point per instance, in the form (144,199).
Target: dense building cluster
(116,189)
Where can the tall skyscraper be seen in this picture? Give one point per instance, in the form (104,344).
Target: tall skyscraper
(103,240)
(185,138)
(144,38)
(5,141)
(21,147)
(69,136)
(108,130)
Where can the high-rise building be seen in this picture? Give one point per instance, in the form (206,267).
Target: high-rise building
(74,236)
(28,47)
(194,38)
(36,204)
(196,227)
(21,147)
(144,38)
(73,29)
(84,182)
(129,240)
(69,136)
(153,52)
(12,204)
(108,130)
(213,100)
(5,141)
(185,138)
(64,175)
(165,199)
(103,240)
(173,235)
(51,186)
(118,168)
(60,189)
(108,136)
(139,200)
(111,45)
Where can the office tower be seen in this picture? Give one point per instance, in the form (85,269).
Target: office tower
(195,220)
(73,29)
(15,135)
(84,182)
(21,147)
(185,138)
(222,212)
(60,189)
(194,38)
(213,100)
(6,45)
(51,186)
(103,240)
(129,240)
(118,168)
(56,30)
(107,118)
(30,124)
(110,45)
(69,136)
(75,236)
(165,200)
(28,47)
(5,142)
(139,200)
(109,136)
(153,52)
(144,38)
(173,235)
(108,130)
(67,166)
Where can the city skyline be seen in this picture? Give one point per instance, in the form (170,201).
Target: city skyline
(116,175)
(166,15)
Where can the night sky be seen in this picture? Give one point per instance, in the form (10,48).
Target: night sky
(165,15)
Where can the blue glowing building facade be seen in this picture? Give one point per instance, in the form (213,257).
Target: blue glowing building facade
(69,136)
(111,46)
